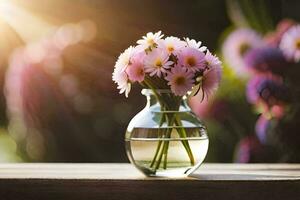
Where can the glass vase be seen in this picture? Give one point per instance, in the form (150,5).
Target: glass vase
(166,139)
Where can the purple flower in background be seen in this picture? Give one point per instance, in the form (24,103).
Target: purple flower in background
(290,44)
(284,25)
(273,92)
(273,39)
(268,90)
(236,45)
(250,150)
(261,128)
(266,59)
(251,90)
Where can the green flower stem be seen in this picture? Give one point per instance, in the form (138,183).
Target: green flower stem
(163,146)
(159,142)
(161,154)
(165,154)
(182,133)
(166,143)
(156,153)
(159,98)
(164,150)
(168,102)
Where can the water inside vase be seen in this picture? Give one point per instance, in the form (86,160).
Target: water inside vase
(143,144)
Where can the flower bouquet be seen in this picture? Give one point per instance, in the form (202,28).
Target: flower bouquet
(170,70)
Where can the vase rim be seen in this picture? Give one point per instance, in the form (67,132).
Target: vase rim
(150,91)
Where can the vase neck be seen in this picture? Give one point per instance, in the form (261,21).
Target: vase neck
(166,100)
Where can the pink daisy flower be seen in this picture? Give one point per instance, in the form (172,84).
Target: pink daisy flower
(119,75)
(211,60)
(211,81)
(121,78)
(171,44)
(136,70)
(124,59)
(290,43)
(180,80)
(150,40)
(194,44)
(236,45)
(192,59)
(157,62)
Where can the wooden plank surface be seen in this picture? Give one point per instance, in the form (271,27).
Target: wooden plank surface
(122,181)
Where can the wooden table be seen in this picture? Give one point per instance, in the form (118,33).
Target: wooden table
(122,181)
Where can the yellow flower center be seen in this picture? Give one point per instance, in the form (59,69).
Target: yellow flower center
(158,63)
(244,48)
(170,48)
(180,80)
(140,71)
(150,41)
(208,64)
(191,61)
(297,44)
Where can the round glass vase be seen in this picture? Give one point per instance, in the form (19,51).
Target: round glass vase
(166,139)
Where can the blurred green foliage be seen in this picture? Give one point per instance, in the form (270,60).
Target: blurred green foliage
(8,148)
